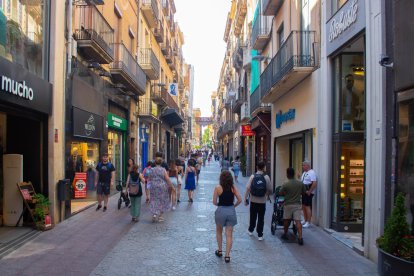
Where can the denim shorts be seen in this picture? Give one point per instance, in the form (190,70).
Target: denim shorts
(103,188)
(226,216)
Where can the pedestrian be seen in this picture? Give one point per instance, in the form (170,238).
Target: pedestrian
(134,188)
(225,164)
(158,184)
(293,191)
(145,174)
(309,179)
(173,174)
(104,180)
(180,172)
(190,178)
(225,214)
(258,188)
(198,165)
(130,165)
(236,168)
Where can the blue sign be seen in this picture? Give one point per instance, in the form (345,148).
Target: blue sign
(284,117)
(172,89)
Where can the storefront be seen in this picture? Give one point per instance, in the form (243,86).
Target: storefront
(346,52)
(261,125)
(117,127)
(25,106)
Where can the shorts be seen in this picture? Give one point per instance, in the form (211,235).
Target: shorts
(307,200)
(292,211)
(225,216)
(198,172)
(174,180)
(103,188)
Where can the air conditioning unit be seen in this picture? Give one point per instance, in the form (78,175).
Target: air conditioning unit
(94,2)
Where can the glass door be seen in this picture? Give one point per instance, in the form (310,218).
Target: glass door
(296,154)
(115,153)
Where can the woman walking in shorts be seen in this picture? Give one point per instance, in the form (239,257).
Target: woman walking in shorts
(225,215)
(173,174)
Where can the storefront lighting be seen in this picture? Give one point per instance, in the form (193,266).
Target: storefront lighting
(342,167)
(342,185)
(342,157)
(342,176)
(342,195)
(358,70)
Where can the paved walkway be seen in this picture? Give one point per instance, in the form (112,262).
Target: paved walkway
(97,243)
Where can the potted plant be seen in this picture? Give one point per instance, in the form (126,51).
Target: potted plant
(41,210)
(396,245)
(243,165)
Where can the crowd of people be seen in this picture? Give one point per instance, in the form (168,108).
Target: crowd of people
(162,184)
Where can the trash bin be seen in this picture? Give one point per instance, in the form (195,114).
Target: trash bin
(65,194)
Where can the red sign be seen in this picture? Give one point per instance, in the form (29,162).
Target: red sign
(79,185)
(247,131)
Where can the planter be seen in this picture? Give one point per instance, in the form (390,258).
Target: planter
(391,265)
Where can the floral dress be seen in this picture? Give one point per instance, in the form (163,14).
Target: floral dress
(158,187)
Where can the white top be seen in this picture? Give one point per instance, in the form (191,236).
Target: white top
(308,177)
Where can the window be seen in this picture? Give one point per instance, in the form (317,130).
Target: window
(337,4)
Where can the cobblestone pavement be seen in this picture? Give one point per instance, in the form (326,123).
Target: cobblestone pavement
(97,243)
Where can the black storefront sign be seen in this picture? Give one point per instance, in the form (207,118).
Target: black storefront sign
(20,87)
(87,124)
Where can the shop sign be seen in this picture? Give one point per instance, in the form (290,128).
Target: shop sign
(20,87)
(285,117)
(345,24)
(173,89)
(79,185)
(246,130)
(117,122)
(87,124)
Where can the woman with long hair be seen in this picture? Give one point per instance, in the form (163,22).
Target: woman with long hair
(130,165)
(225,215)
(159,194)
(173,174)
(134,181)
(190,178)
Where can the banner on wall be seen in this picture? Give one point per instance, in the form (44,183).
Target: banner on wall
(173,89)
(79,185)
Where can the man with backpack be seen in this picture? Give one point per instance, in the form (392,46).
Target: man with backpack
(259,188)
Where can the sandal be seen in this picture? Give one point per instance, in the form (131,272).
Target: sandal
(218,253)
(227,259)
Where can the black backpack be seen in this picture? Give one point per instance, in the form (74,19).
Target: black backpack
(258,186)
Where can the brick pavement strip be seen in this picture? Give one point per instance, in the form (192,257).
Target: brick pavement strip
(96,243)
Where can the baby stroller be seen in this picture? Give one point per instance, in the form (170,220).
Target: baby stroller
(123,195)
(277,216)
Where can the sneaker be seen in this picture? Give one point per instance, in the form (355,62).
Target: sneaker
(306,225)
(98,207)
(173,208)
(303,222)
(104,209)
(260,238)
(284,237)
(249,233)
(300,241)
(178,201)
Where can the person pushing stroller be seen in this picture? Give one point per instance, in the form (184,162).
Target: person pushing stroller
(293,191)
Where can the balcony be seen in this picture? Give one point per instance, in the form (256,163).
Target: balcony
(159,95)
(238,57)
(173,28)
(244,113)
(240,99)
(159,32)
(294,61)
(165,47)
(247,57)
(94,35)
(256,106)
(126,70)
(172,62)
(150,11)
(149,63)
(271,7)
(148,110)
(228,127)
(170,19)
(261,32)
(220,133)
(169,56)
(241,11)
(166,7)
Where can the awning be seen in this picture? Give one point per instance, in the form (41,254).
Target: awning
(171,117)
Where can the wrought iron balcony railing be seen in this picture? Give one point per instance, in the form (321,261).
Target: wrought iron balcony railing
(126,70)
(159,31)
(261,31)
(149,63)
(94,35)
(271,7)
(147,108)
(150,12)
(256,104)
(297,53)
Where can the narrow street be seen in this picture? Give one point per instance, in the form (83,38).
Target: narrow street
(97,243)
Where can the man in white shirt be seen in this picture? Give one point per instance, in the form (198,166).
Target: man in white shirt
(309,179)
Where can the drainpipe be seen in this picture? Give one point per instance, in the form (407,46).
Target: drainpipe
(69,38)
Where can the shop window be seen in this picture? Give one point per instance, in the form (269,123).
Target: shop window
(349,93)
(23,35)
(348,189)
(406,157)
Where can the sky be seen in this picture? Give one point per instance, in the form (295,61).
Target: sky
(203,23)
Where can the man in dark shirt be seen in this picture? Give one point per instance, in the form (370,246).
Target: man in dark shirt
(292,190)
(105,177)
